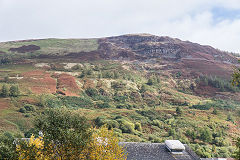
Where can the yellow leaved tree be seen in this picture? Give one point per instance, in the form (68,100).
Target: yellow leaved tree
(104,146)
(32,149)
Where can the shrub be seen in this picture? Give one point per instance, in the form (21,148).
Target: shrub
(127,106)
(154,139)
(101,120)
(121,99)
(30,107)
(150,82)
(92,92)
(157,123)
(7,147)
(5,91)
(126,126)
(179,111)
(112,124)
(118,85)
(138,127)
(206,106)
(104,105)
(22,110)
(14,91)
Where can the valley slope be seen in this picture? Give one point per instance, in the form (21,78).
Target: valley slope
(136,84)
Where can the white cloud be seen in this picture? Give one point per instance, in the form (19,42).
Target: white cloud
(186,19)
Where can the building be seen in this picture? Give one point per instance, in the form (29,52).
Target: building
(170,150)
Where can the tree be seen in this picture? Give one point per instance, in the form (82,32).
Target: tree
(66,135)
(179,111)
(5,91)
(205,135)
(236,82)
(215,111)
(237,152)
(150,82)
(105,145)
(7,148)
(34,149)
(230,118)
(143,88)
(67,131)
(236,77)
(6,79)
(14,91)
(116,75)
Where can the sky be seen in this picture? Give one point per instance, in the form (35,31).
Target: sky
(208,22)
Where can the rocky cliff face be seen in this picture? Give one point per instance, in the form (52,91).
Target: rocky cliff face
(145,46)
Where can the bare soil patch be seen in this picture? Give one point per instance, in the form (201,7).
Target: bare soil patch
(4,104)
(39,82)
(67,85)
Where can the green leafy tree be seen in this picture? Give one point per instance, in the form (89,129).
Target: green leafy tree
(215,111)
(143,88)
(179,111)
(14,91)
(68,131)
(206,135)
(116,75)
(5,91)
(7,147)
(150,81)
(6,79)
(237,152)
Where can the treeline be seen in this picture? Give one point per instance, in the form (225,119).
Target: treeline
(71,137)
(217,82)
(12,91)
(5,60)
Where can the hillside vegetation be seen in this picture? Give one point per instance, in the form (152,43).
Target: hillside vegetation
(141,100)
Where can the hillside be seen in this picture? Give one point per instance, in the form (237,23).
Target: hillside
(147,88)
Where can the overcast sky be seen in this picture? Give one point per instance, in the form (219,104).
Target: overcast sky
(212,22)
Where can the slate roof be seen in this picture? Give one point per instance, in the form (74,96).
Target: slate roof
(217,159)
(155,151)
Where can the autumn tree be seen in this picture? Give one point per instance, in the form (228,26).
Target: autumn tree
(32,149)
(105,145)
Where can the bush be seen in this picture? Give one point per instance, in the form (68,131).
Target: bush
(206,106)
(138,127)
(121,99)
(157,123)
(154,139)
(101,120)
(126,126)
(30,107)
(7,147)
(22,110)
(14,91)
(112,124)
(92,92)
(104,105)
(64,127)
(118,85)
(127,106)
